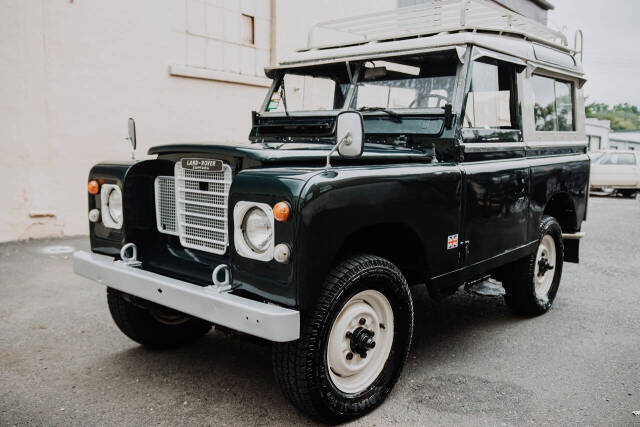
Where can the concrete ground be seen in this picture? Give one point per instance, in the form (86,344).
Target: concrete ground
(63,361)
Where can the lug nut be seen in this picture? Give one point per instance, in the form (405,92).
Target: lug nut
(349,356)
(348,335)
(362,321)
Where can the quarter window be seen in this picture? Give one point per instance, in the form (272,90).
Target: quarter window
(554,107)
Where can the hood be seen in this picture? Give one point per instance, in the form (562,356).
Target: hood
(295,153)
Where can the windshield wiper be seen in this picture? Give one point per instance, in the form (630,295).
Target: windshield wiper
(395,116)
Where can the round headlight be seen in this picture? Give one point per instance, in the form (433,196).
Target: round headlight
(115,205)
(257,230)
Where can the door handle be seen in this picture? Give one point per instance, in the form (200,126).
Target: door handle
(522,187)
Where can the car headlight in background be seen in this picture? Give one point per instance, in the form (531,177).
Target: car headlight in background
(111,209)
(253,230)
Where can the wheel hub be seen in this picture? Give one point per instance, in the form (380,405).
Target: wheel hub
(545,262)
(361,341)
(353,356)
(543,267)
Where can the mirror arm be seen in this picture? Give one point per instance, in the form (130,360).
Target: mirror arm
(335,148)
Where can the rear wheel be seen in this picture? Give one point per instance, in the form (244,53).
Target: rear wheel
(628,193)
(153,325)
(353,344)
(531,283)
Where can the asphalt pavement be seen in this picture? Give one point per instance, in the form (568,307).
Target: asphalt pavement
(64,362)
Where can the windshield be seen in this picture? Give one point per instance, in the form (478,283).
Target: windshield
(415,82)
(406,83)
(319,88)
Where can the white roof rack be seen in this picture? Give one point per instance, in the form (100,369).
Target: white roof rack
(432,17)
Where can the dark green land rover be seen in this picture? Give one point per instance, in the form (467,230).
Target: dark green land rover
(429,157)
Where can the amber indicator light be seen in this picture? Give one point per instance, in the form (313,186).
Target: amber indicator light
(93,187)
(281,211)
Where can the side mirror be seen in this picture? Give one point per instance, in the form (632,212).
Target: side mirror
(132,133)
(350,134)
(132,137)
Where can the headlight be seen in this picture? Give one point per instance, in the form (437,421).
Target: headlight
(111,206)
(257,230)
(253,233)
(115,205)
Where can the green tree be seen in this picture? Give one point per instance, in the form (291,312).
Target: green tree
(622,116)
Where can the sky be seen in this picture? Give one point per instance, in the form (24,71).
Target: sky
(611,46)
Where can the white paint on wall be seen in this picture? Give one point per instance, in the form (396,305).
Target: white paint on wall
(72,72)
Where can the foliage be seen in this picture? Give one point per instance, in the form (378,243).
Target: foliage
(622,116)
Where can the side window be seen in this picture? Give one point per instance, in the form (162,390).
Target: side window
(620,159)
(491,112)
(553,104)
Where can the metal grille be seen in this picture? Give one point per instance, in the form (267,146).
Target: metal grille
(202,199)
(166,205)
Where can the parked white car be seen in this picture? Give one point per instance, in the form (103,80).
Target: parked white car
(616,171)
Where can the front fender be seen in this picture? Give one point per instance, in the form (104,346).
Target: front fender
(424,198)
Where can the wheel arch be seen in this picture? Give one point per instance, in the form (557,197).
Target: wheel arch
(394,241)
(561,207)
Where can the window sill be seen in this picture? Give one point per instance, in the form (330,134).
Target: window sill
(205,74)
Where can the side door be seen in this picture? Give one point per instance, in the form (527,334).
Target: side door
(496,175)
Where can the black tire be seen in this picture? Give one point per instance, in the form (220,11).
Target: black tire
(300,366)
(628,193)
(519,280)
(139,320)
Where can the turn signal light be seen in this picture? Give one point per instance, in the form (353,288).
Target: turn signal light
(281,211)
(93,187)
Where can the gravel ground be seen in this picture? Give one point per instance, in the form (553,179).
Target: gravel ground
(64,362)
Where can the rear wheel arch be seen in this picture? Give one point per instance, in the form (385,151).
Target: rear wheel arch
(561,207)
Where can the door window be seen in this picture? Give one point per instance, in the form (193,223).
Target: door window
(491,112)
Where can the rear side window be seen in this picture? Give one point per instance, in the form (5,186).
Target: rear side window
(554,106)
(620,159)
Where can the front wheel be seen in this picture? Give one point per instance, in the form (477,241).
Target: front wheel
(152,325)
(531,283)
(353,344)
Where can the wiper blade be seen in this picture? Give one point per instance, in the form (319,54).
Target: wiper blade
(395,116)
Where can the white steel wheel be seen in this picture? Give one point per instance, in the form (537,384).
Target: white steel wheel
(360,341)
(544,269)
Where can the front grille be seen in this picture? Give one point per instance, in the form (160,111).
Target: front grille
(200,207)
(166,205)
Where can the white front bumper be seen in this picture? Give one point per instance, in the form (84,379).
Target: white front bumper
(263,320)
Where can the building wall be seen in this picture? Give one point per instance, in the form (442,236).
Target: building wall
(73,71)
(627,140)
(597,133)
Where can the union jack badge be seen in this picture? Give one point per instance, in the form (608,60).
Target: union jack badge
(452,241)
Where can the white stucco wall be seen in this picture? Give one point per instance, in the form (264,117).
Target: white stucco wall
(73,71)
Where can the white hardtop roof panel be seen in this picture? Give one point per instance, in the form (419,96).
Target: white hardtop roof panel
(508,45)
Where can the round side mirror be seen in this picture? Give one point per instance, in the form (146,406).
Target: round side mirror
(350,134)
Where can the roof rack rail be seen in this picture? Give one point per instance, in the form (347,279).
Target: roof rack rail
(430,18)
